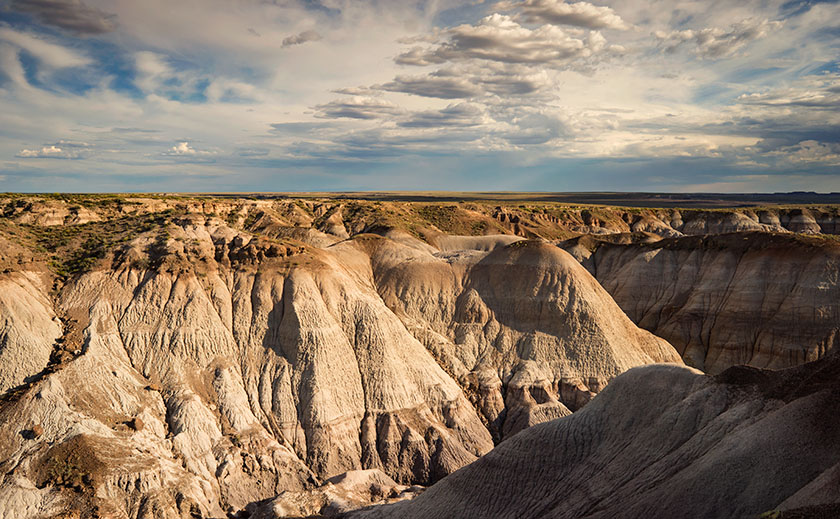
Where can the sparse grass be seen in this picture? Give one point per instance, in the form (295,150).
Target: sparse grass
(74,249)
(70,250)
(73,463)
(252,218)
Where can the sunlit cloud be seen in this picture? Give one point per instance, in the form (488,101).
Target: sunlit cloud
(372,95)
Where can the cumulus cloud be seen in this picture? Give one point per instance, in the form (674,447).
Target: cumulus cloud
(358,108)
(810,152)
(715,42)
(59,150)
(500,38)
(419,57)
(71,15)
(558,12)
(183,149)
(434,85)
(469,80)
(357,91)
(300,38)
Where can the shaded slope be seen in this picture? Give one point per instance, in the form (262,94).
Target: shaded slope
(767,300)
(662,441)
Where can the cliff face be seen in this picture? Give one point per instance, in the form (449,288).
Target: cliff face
(749,298)
(194,368)
(663,441)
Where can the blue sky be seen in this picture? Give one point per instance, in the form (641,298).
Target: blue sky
(309,95)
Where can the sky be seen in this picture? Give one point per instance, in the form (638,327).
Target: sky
(333,95)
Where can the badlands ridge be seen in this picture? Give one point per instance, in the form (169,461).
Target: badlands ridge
(184,357)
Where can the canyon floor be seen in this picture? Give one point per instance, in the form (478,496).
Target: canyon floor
(169,356)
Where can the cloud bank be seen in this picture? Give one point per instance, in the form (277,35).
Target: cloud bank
(454,94)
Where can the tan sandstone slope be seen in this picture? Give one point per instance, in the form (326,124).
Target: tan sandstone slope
(663,441)
(200,368)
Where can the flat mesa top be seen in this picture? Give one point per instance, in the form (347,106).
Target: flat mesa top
(640,199)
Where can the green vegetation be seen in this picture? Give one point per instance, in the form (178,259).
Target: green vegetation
(67,472)
(252,218)
(75,249)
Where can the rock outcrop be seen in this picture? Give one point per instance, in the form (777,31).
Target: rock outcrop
(663,441)
(201,357)
(338,495)
(200,368)
(524,327)
(767,300)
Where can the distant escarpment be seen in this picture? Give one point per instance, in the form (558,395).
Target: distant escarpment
(426,220)
(163,359)
(765,299)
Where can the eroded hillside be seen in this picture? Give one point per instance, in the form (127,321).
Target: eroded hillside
(193,359)
(765,299)
(664,441)
(178,357)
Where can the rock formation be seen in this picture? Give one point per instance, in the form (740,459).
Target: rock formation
(768,300)
(338,495)
(182,357)
(529,347)
(184,367)
(663,441)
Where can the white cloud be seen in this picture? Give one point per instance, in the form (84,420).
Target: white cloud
(469,80)
(48,53)
(152,71)
(55,151)
(225,89)
(10,66)
(812,92)
(183,148)
(444,86)
(715,42)
(500,38)
(558,12)
(358,108)
(454,115)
